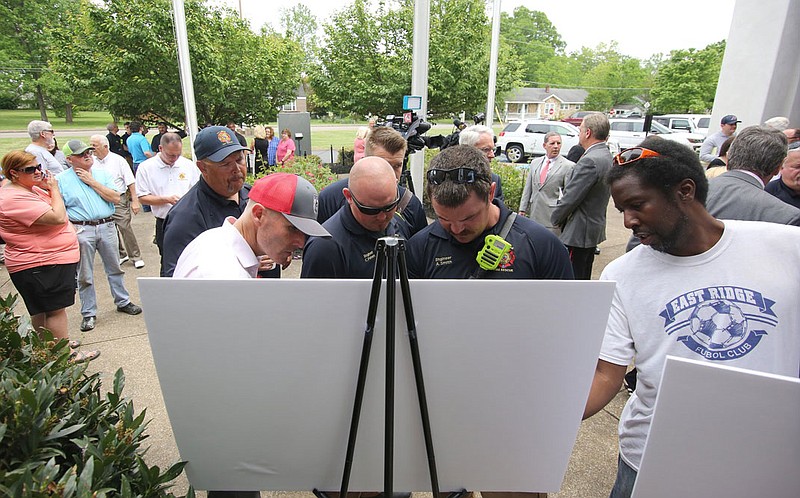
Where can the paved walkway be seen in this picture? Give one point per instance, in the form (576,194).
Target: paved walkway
(124,344)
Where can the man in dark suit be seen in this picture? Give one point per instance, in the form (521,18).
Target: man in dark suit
(787,187)
(581,212)
(738,194)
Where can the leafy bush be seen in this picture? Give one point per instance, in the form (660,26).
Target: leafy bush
(58,435)
(310,168)
(513,180)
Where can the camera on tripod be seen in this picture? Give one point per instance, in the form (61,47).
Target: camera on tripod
(411,126)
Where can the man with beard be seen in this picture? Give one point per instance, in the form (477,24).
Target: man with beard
(462,195)
(688,290)
(43,137)
(219,193)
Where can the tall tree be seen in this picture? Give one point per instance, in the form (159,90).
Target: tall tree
(687,81)
(535,40)
(238,75)
(27,27)
(300,25)
(365,63)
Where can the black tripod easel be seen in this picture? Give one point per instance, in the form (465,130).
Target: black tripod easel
(390,255)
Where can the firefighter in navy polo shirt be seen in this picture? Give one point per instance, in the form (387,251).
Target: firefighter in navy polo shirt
(472,225)
(369,213)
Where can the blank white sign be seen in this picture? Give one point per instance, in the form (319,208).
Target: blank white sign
(722,432)
(259,378)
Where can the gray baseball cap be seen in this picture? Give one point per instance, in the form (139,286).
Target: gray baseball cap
(292,196)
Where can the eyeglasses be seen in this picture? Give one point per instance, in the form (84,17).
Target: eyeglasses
(30,169)
(486,150)
(49,131)
(85,154)
(458,175)
(628,156)
(372,211)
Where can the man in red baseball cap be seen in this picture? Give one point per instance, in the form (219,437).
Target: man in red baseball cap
(281,213)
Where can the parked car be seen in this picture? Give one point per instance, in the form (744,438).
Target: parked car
(577,117)
(522,139)
(701,122)
(677,122)
(630,133)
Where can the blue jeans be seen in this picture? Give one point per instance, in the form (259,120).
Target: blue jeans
(99,239)
(626,477)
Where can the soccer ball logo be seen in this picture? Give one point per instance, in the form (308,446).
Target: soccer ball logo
(718,324)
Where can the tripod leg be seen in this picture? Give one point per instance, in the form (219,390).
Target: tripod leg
(363,366)
(388,457)
(415,358)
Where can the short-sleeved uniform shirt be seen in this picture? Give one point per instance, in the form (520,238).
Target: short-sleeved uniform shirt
(331,199)
(348,253)
(155,177)
(536,253)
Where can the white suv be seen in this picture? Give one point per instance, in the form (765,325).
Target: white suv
(522,139)
(630,133)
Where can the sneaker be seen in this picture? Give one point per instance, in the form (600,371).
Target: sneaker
(87,323)
(130,309)
(139,264)
(122,260)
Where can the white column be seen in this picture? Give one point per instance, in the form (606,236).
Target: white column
(760,76)
(493,64)
(419,80)
(185,68)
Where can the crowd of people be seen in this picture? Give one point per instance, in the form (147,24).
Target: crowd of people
(696,242)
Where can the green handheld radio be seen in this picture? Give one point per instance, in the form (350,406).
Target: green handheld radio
(494,248)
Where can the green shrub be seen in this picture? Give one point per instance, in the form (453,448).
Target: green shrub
(513,180)
(58,435)
(310,168)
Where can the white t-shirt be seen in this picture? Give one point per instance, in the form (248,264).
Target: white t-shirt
(45,158)
(736,305)
(220,253)
(118,169)
(154,177)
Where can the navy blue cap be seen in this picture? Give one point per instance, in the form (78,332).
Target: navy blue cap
(215,143)
(730,119)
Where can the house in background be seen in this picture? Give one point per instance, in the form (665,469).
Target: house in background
(543,103)
(299,103)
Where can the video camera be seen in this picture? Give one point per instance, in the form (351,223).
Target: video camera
(411,126)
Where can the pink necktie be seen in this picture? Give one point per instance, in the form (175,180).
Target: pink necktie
(543,174)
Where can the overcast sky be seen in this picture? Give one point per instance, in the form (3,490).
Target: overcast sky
(640,27)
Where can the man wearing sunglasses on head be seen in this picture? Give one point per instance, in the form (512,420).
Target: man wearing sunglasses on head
(371,197)
(692,289)
(462,195)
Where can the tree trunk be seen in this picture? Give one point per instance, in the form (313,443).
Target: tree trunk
(40,102)
(68,113)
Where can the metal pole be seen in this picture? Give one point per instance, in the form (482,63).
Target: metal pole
(185,69)
(419,76)
(493,64)
(388,436)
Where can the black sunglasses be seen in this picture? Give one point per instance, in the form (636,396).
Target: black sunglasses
(458,175)
(372,211)
(31,169)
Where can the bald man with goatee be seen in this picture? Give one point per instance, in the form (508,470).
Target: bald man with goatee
(372,196)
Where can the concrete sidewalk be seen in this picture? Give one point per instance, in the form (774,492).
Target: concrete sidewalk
(124,344)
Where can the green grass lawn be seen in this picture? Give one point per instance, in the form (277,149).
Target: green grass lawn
(17,120)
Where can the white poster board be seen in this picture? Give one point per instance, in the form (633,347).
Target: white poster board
(259,377)
(722,432)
